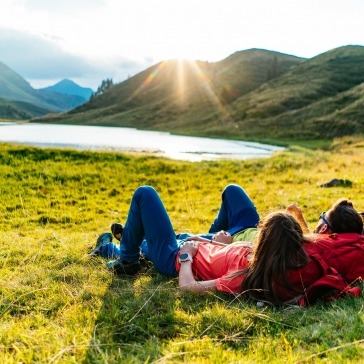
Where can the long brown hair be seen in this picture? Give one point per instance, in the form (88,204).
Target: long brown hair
(279,248)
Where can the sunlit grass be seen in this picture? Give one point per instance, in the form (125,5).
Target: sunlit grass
(59,306)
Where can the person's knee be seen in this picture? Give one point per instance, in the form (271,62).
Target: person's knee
(145,193)
(231,189)
(144,190)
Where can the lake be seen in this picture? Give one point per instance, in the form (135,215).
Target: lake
(132,140)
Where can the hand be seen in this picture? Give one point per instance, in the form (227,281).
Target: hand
(190,247)
(296,211)
(223,237)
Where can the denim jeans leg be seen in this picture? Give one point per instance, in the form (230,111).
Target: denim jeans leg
(148,219)
(110,250)
(237,211)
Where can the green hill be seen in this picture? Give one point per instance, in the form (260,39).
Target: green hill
(16,92)
(14,87)
(252,94)
(19,110)
(318,98)
(174,95)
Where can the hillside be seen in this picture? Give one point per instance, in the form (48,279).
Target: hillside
(19,110)
(175,95)
(252,94)
(16,92)
(321,97)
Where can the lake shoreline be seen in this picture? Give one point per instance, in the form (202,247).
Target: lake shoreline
(131,140)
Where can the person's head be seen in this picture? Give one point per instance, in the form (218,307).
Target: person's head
(340,218)
(279,247)
(117,230)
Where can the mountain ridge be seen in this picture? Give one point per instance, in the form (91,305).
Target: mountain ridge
(16,92)
(253,94)
(293,99)
(69,87)
(313,98)
(156,94)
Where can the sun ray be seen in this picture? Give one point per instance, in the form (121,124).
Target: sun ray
(208,87)
(183,79)
(147,81)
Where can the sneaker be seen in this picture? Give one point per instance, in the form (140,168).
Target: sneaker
(101,240)
(117,230)
(123,267)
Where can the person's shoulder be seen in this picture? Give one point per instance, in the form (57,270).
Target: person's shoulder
(337,239)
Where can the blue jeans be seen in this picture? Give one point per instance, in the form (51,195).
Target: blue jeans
(237,211)
(149,230)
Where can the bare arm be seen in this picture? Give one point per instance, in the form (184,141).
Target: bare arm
(200,239)
(222,238)
(186,280)
(297,213)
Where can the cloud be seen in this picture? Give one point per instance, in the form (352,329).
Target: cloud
(34,57)
(91,40)
(64,6)
(41,58)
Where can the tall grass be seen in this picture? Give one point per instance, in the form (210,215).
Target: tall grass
(58,305)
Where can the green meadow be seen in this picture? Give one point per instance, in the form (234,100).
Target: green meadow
(58,305)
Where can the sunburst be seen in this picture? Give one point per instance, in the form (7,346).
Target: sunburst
(182,86)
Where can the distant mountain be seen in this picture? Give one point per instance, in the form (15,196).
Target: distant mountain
(16,92)
(252,94)
(68,87)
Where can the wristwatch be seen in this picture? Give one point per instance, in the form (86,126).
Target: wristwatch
(184,257)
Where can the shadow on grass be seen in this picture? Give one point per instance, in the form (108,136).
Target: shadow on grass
(146,319)
(137,314)
(142,316)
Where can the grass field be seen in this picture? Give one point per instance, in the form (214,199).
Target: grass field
(58,305)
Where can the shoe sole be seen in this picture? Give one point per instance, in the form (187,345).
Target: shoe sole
(123,269)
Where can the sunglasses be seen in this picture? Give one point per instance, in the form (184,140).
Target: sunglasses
(323,218)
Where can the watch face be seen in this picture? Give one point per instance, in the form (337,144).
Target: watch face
(183,256)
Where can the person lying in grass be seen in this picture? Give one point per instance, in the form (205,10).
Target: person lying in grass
(236,220)
(338,238)
(292,268)
(340,231)
(286,271)
(149,230)
(283,270)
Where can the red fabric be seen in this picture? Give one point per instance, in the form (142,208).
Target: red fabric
(219,262)
(335,260)
(299,280)
(343,252)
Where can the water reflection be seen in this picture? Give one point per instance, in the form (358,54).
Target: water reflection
(132,140)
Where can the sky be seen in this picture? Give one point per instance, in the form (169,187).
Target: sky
(87,41)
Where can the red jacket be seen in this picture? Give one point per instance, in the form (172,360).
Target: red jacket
(335,260)
(343,252)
